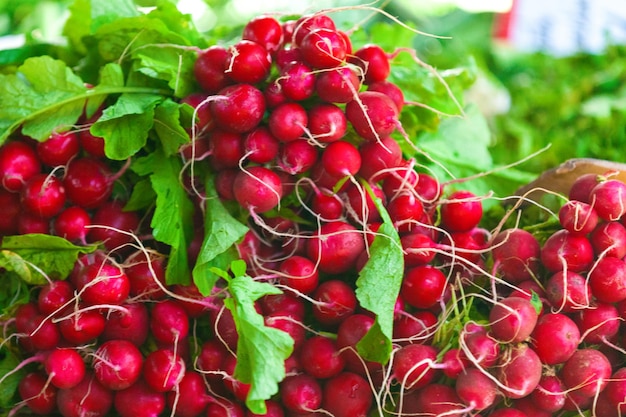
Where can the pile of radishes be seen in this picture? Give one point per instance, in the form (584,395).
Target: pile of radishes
(303,138)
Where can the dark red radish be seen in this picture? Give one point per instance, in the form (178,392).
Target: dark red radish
(239,389)
(578,217)
(608,199)
(390,89)
(519,371)
(43,195)
(223,325)
(607,280)
(286,55)
(265,30)
(300,393)
(33,331)
(146,274)
(65,368)
(423,286)
(328,206)
(133,324)
(299,273)
(88,398)
(434,399)
(297,156)
(288,121)
(609,239)
(163,369)
(308,23)
(18,163)
(203,124)
(513,319)
(91,144)
(323,48)
(104,283)
(88,182)
(274,95)
(335,247)
(287,304)
(516,254)
(81,327)
(414,366)
(550,394)
(10,209)
(224,408)
(461,212)
(374,62)
(339,85)
(568,291)
(361,207)
(224,180)
(191,398)
(508,412)
(210,69)
(476,388)
(378,157)
(587,372)
(241,109)
(139,400)
(566,251)
(290,325)
(117,364)
(248,62)
(37,393)
(528,407)
(373,115)
(327,122)
(347,395)
(72,224)
(599,323)
(258,189)
(418,248)
(297,81)
(349,334)
(416,327)
(320,357)
(335,301)
(54,296)
(225,148)
(615,391)
(58,149)
(169,322)
(28,223)
(260,146)
(406,211)
(555,338)
(272,408)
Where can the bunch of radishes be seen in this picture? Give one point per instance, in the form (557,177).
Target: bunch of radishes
(302,136)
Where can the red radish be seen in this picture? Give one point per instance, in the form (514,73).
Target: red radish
(169,322)
(405,211)
(210,359)
(286,304)
(512,319)
(578,217)
(43,195)
(608,198)
(18,163)
(224,327)
(607,280)
(516,254)
(454,363)
(414,365)
(226,148)
(568,291)
(417,327)
(477,390)
(264,30)
(54,296)
(609,239)
(92,145)
(273,408)
(209,69)
(258,189)
(248,62)
(71,223)
(103,283)
(117,364)
(241,110)
(191,398)
(132,325)
(88,182)
(297,156)
(274,95)
(28,223)
(338,85)
(288,121)
(147,277)
(58,149)
(349,334)
(390,89)
(33,331)
(224,185)
(461,212)
(139,400)
(401,179)
(599,323)
(564,250)
(378,156)
(327,122)
(323,48)
(321,358)
(224,408)
(582,186)
(308,23)
(65,368)
(615,391)
(480,348)
(508,412)
(286,55)
(88,398)
(327,206)
(82,326)
(361,206)
(347,395)
(335,301)
(300,393)
(297,81)
(335,247)
(550,394)
(239,389)
(423,286)
(290,325)
(299,273)
(418,248)
(203,120)
(37,393)
(434,399)
(373,115)
(374,62)
(260,146)
(555,338)
(341,158)
(10,209)
(587,371)
(519,371)
(163,370)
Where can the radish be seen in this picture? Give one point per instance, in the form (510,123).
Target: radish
(508,412)
(10,209)
(286,304)
(599,323)
(248,62)
(225,408)
(241,110)
(555,338)
(163,370)
(615,391)
(423,286)
(81,327)
(285,56)
(54,296)
(609,239)
(480,347)
(113,225)
(477,390)
(512,319)
(239,389)
(288,121)
(169,322)
(88,398)
(37,393)
(290,325)
(378,157)
(297,156)
(414,365)
(338,85)
(133,324)
(327,206)
(373,115)
(564,250)
(146,275)
(578,217)
(191,398)
(58,149)
(308,23)
(608,198)
(341,159)
(88,182)
(139,400)
(347,395)
(434,399)
(516,255)
(18,163)
(390,89)
(72,224)
(419,249)
(264,30)
(349,334)
(225,148)
(297,81)
(260,146)
(335,247)
(117,364)
(582,186)
(28,223)
(405,210)
(299,273)
(335,301)
(323,48)
(461,212)
(103,283)
(258,189)
(519,371)
(361,206)
(43,195)
(550,394)
(374,62)
(300,393)
(34,332)
(587,372)
(65,368)
(327,122)
(209,69)
(568,291)
(321,358)
(416,327)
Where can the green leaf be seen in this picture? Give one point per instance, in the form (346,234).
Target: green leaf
(172,221)
(168,127)
(221,231)
(33,255)
(8,362)
(142,196)
(378,286)
(170,63)
(261,350)
(43,95)
(103,12)
(78,25)
(126,124)
(111,75)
